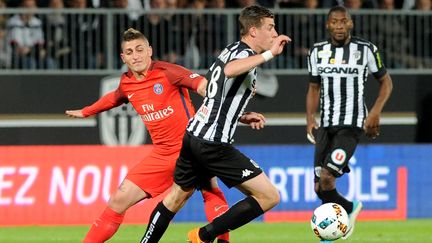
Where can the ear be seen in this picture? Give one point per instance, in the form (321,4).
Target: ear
(122,57)
(150,51)
(350,24)
(253,31)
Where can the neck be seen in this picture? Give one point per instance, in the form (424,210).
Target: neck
(250,42)
(140,75)
(342,42)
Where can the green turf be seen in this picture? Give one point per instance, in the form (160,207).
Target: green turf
(418,231)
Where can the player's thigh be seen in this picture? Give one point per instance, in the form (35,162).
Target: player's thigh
(154,174)
(230,165)
(188,170)
(321,149)
(342,147)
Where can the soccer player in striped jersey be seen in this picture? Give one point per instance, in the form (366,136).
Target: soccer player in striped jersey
(338,69)
(159,93)
(207,148)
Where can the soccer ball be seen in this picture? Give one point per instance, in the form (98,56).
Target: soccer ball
(329,221)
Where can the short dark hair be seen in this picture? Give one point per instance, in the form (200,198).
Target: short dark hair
(252,17)
(133,34)
(338,8)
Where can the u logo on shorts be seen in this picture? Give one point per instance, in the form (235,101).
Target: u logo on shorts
(338,156)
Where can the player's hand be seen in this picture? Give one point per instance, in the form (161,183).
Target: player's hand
(254,119)
(75,113)
(311,128)
(279,43)
(372,125)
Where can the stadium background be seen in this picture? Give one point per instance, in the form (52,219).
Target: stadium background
(62,169)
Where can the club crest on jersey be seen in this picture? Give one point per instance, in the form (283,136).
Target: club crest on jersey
(158,88)
(357,55)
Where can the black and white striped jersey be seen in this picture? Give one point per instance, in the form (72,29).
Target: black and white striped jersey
(342,73)
(226,98)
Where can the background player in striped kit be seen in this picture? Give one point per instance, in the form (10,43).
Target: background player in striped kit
(159,93)
(338,70)
(207,150)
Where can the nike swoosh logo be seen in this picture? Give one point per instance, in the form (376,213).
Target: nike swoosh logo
(219,207)
(130,95)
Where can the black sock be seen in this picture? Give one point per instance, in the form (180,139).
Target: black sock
(319,194)
(334,196)
(238,215)
(158,223)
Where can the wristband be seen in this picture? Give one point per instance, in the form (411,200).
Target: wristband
(267,55)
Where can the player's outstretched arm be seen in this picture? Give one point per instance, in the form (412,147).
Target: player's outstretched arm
(106,102)
(202,87)
(75,113)
(254,119)
(240,66)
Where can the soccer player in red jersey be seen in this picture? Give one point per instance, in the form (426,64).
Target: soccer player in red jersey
(159,93)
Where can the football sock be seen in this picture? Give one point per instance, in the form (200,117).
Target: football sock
(104,227)
(319,194)
(239,214)
(158,223)
(334,196)
(215,204)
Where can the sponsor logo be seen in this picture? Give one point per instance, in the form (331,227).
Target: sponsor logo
(324,54)
(130,95)
(151,228)
(157,115)
(246,173)
(203,113)
(338,156)
(120,125)
(158,88)
(339,70)
(335,168)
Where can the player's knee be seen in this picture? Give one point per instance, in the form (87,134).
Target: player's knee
(117,203)
(273,197)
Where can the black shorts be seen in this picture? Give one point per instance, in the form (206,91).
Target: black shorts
(334,148)
(201,160)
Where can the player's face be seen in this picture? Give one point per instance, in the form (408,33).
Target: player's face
(339,25)
(265,34)
(136,54)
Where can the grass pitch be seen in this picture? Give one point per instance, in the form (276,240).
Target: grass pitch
(418,231)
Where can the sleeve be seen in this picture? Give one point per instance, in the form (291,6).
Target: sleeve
(312,67)
(180,76)
(243,54)
(106,102)
(375,64)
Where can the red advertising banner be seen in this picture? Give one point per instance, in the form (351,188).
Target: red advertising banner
(46,185)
